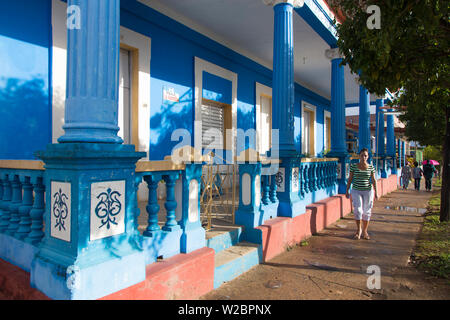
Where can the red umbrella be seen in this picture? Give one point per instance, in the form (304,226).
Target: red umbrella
(433,162)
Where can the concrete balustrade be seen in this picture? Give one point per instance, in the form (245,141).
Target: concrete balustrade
(21,210)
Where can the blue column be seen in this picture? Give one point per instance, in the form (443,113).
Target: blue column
(91,246)
(403,153)
(338,144)
(380,147)
(394,160)
(399,148)
(283,78)
(390,139)
(337,107)
(290,204)
(91,109)
(364,120)
(390,142)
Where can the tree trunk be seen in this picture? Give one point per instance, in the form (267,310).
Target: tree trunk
(445,191)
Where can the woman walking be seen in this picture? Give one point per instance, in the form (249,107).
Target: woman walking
(417,175)
(406,175)
(362,176)
(428,170)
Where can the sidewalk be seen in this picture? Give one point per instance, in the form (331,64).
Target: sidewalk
(334,266)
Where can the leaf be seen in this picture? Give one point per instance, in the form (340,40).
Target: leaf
(433,90)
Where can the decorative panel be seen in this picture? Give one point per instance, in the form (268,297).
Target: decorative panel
(107,209)
(279,179)
(60,220)
(295,180)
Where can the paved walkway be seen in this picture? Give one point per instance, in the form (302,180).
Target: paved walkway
(334,266)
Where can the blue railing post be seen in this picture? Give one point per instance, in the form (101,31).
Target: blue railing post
(24,209)
(37,212)
(266,189)
(273,189)
(152,207)
(170,204)
(306,177)
(14,205)
(249,213)
(1,195)
(6,200)
(193,236)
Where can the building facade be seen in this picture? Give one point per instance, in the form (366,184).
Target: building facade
(97,98)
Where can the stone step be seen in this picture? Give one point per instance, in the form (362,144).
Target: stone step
(223,237)
(235,260)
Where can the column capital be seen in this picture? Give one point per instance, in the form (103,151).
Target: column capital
(333,54)
(294,3)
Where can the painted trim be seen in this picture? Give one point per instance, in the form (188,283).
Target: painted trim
(260,90)
(356,104)
(201,66)
(134,71)
(319,19)
(326,114)
(140,47)
(313,109)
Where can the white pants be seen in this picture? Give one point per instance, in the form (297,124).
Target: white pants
(362,204)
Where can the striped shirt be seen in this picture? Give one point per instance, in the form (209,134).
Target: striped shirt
(361,178)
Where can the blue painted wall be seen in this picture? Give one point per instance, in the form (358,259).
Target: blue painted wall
(25,49)
(216,88)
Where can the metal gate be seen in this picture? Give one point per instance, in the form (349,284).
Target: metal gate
(219,197)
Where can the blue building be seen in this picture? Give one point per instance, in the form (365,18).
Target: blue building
(98,97)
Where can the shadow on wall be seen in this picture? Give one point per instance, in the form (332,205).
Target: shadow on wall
(24,117)
(162,124)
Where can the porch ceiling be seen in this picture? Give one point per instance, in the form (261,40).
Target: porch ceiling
(246,26)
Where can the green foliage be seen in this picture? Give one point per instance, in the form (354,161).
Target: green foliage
(410,51)
(304,243)
(432,152)
(432,253)
(412,43)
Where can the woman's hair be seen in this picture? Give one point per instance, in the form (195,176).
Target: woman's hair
(416,163)
(363,149)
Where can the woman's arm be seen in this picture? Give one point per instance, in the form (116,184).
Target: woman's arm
(349,182)
(374,183)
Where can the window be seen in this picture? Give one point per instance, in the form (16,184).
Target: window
(216,119)
(308,129)
(203,106)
